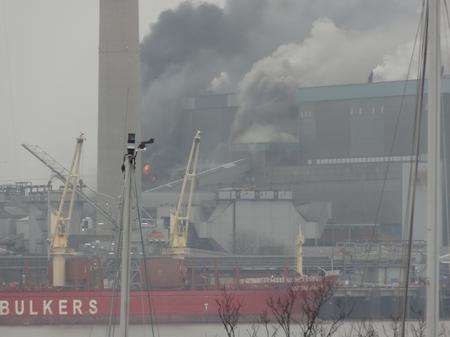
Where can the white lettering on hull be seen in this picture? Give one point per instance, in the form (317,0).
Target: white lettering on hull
(62,307)
(4,308)
(93,307)
(77,307)
(48,307)
(32,312)
(21,310)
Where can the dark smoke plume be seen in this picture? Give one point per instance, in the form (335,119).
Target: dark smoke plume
(264,50)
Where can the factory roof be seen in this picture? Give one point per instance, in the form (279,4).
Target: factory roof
(362,90)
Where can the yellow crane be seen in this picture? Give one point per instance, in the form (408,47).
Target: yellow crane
(61,218)
(179,221)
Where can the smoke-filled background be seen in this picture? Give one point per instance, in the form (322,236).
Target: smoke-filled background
(190,49)
(263,50)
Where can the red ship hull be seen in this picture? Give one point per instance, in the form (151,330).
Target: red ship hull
(171,306)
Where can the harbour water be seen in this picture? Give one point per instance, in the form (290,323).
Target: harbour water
(351,328)
(182,330)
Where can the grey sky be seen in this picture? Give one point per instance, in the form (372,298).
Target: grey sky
(48,80)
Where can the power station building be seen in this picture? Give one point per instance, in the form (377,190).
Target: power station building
(347,174)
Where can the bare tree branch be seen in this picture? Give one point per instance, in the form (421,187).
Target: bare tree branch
(266,323)
(229,311)
(418,328)
(307,305)
(312,304)
(364,328)
(253,330)
(282,309)
(394,327)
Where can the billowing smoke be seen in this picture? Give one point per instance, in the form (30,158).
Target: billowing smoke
(262,49)
(328,55)
(186,53)
(397,65)
(221,83)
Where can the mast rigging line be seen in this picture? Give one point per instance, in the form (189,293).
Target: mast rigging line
(394,140)
(110,329)
(422,64)
(144,257)
(397,120)
(171,184)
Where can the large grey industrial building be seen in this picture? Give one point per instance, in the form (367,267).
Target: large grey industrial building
(347,174)
(344,179)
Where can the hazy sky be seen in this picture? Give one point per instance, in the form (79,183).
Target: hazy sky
(48,81)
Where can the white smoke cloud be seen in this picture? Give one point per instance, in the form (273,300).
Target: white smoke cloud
(395,65)
(329,55)
(221,83)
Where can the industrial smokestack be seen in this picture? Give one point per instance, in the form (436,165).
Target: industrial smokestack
(119,89)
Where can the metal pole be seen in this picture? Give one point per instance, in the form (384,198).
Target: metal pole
(433,171)
(125,249)
(234,227)
(332,261)
(49,215)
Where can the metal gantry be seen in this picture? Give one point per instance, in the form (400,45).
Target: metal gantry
(61,173)
(179,221)
(61,219)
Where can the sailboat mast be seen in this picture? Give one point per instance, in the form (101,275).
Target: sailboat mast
(433,170)
(129,165)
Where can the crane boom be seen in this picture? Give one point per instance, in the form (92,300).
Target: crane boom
(179,221)
(200,174)
(61,218)
(59,170)
(62,173)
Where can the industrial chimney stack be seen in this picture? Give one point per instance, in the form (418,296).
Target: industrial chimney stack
(118,89)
